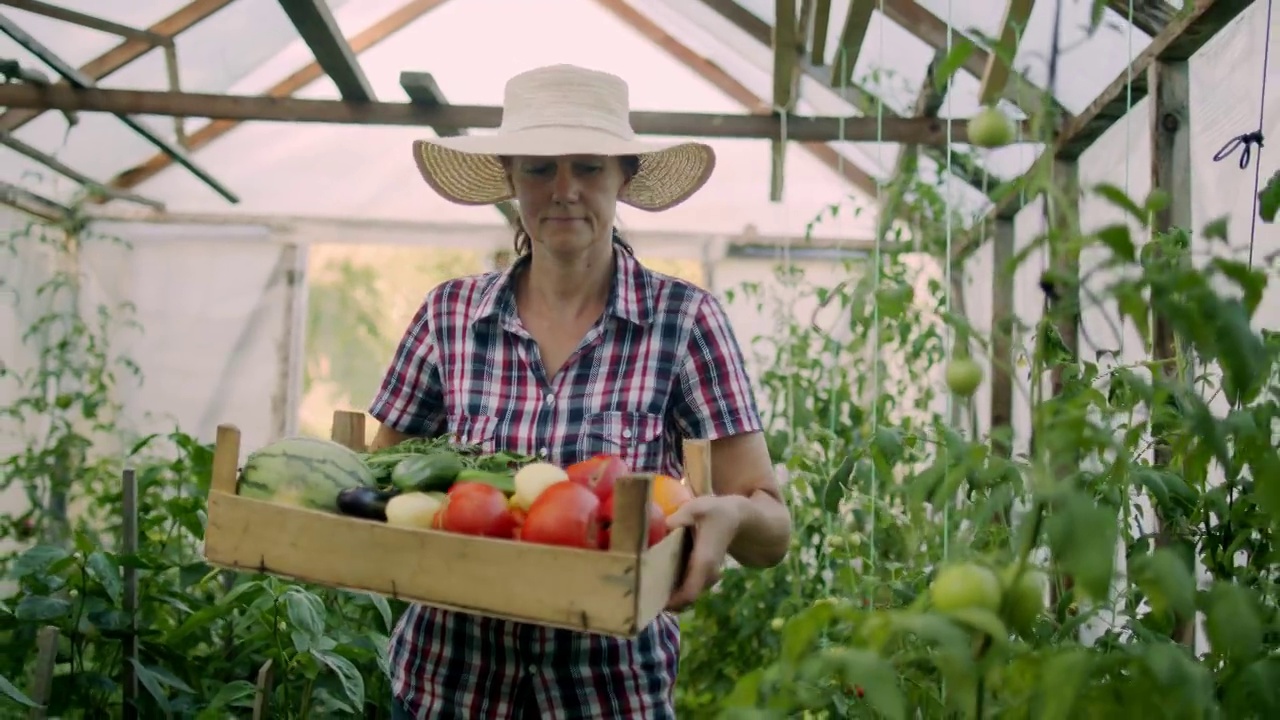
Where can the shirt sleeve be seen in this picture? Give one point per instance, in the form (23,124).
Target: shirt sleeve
(411,399)
(714,398)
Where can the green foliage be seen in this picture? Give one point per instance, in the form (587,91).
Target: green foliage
(1172,459)
(202,635)
(1269,199)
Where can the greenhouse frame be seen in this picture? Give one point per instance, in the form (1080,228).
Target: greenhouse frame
(202,234)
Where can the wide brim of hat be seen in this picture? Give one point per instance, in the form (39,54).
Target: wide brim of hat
(467,170)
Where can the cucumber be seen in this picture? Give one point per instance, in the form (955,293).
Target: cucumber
(504,481)
(434,471)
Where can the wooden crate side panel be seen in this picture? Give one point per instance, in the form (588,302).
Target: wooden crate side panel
(579,589)
(661,568)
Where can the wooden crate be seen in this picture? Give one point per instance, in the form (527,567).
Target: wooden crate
(615,592)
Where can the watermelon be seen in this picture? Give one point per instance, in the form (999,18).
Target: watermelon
(303,472)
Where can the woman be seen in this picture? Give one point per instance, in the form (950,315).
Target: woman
(573,350)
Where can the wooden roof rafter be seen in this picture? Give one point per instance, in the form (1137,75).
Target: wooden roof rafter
(318,29)
(136,42)
(180,21)
(961,165)
(1177,41)
(995,77)
(93,22)
(368,38)
(77,78)
(731,86)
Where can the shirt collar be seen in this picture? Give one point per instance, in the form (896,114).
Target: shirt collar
(630,296)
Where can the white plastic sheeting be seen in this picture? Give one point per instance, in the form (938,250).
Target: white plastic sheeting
(218,327)
(472,47)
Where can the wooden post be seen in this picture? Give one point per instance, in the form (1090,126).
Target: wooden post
(1169,93)
(129,598)
(1002,320)
(42,673)
(1062,304)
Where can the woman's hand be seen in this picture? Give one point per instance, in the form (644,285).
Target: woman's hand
(714,522)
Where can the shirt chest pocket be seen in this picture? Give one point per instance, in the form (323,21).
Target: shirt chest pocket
(475,430)
(636,437)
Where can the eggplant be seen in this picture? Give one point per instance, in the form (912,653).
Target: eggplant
(365,502)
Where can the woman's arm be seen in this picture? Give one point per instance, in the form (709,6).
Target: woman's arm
(744,516)
(741,468)
(410,401)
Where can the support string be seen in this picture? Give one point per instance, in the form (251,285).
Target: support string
(1248,140)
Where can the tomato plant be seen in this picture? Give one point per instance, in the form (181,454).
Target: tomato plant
(963,376)
(990,128)
(473,508)
(566,513)
(965,586)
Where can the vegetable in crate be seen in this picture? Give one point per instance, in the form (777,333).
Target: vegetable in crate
(433,471)
(414,510)
(473,508)
(304,472)
(503,482)
(365,502)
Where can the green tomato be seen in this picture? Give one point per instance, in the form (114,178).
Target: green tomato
(964,374)
(1026,598)
(965,585)
(990,128)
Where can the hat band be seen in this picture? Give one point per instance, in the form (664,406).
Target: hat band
(569,126)
(575,117)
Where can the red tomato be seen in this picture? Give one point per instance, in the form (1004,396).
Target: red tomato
(564,514)
(657,523)
(598,474)
(473,508)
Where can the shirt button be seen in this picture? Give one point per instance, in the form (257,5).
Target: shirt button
(532,670)
(542,452)
(550,400)
(626,434)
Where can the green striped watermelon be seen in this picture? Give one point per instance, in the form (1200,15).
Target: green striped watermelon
(303,472)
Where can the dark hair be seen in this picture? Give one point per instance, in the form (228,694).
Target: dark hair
(523,244)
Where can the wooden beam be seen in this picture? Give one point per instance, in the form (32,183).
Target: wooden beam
(995,76)
(304,76)
(788,54)
(422,89)
(31,203)
(316,26)
(963,166)
(126,52)
(296,110)
(732,87)
(1178,41)
(56,165)
(1149,16)
(36,7)
(82,82)
(931,29)
(1003,318)
(928,104)
(1171,171)
(818,34)
(852,36)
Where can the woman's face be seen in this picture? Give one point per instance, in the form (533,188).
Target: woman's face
(567,202)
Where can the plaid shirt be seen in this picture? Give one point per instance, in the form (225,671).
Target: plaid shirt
(661,364)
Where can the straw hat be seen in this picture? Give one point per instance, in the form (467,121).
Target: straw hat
(563,110)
